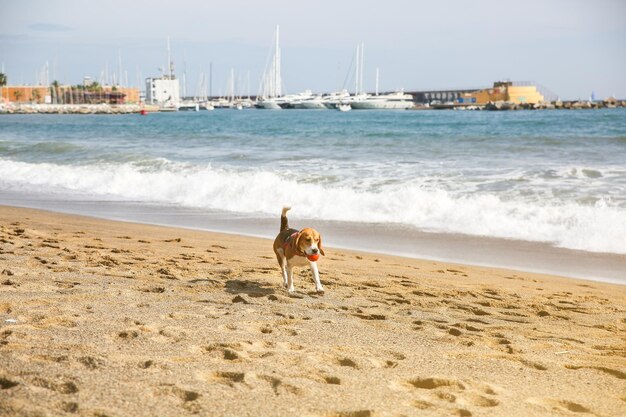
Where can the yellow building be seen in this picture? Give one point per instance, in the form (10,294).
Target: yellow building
(504,91)
(524,94)
(68,95)
(25,94)
(131,95)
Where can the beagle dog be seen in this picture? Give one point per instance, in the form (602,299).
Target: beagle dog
(296,248)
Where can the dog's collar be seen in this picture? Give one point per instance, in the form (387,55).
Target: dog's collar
(291,241)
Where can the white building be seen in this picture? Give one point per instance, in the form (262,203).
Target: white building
(162,91)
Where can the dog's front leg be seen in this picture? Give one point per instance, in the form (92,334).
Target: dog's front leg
(290,286)
(316,277)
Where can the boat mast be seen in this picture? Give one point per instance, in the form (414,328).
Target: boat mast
(277,80)
(377,74)
(231,85)
(361,67)
(356,76)
(119,57)
(169,61)
(184,74)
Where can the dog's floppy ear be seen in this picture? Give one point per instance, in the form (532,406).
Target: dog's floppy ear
(297,242)
(319,246)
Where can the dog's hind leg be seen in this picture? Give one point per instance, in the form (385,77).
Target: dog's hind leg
(285,274)
(282,261)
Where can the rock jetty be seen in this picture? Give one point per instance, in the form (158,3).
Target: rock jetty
(13,108)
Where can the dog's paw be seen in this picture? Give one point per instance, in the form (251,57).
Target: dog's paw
(320,290)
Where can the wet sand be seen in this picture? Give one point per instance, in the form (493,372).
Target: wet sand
(104,318)
(394,239)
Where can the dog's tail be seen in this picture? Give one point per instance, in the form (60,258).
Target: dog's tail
(284,222)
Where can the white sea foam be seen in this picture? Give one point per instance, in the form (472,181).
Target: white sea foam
(598,227)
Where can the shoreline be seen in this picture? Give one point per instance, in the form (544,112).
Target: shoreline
(131,108)
(537,257)
(100,317)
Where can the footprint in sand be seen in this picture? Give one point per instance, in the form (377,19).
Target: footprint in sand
(185,395)
(482,401)
(371,316)
(69,406)
(535,365)
(347,362)
(613,372)
(6,383)
(279,386)
(157,290)
(441,391)
(166,273)
(62,388)
(229,378)
(432,383)
(128,334)
(423,405)
(556,404)
(91,362)
(359,413)
(333,380)
(188,398)
(146,364)
(226,351)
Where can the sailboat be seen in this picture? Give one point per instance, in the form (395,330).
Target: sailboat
(271,84)
(172,102)
(343,98)
(363,101)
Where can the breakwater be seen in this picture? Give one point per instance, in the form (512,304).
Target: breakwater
(567,105)
(13,108)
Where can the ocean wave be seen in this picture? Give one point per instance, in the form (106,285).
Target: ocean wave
(597,226)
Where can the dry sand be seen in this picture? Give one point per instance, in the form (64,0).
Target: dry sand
(103,318)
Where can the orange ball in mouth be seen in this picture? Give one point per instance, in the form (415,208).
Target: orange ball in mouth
(313,257)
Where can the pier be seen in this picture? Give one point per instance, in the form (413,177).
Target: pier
(428,96)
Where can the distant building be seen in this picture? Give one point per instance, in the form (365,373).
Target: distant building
(26,94)
(131,95)
(504,91)
(66,94)
(163,90)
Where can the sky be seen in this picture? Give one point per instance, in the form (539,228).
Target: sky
(570,47)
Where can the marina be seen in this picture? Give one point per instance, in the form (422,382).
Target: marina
(163,94)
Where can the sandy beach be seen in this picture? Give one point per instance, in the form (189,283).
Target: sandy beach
(104,318)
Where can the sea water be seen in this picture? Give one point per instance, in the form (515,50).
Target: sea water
(557,177)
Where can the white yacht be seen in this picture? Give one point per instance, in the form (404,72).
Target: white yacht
(189,106)
(344,107)
(268,104)
(391,101)
(312,103)
(332,100)
(304,100)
